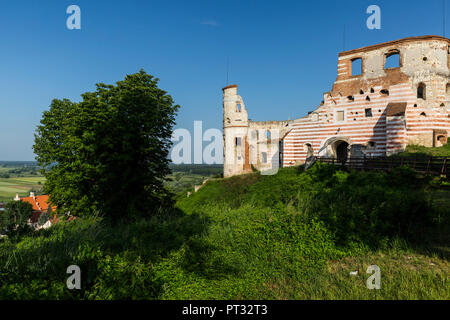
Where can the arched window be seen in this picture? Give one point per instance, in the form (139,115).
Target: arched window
(440,141)
(371,145)
(392,60)
(421,91)
(308,149)
(423,115)
(268,134)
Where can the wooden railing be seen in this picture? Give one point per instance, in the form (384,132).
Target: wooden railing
(439,166)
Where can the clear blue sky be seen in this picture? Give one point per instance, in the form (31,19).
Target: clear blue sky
(283,54)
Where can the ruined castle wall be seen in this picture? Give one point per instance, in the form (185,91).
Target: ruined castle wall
(377,112)
(421,62)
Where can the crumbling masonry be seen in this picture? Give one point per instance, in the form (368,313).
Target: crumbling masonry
(373,109)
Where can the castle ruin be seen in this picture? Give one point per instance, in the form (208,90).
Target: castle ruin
(373,109)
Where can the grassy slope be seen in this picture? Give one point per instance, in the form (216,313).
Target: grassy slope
(244,237)
(415,150)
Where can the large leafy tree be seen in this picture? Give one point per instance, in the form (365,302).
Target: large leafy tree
(109,152)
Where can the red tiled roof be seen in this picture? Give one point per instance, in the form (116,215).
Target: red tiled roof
(39,203)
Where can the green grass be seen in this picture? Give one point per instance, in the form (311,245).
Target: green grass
(415,150)
(294,235)
(184,181)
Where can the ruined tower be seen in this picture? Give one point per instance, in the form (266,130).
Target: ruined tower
(249,143)
(235,127)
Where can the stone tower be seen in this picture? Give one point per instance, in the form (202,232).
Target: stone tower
(235,128)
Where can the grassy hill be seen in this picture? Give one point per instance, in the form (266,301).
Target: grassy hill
(294,235)
(416,150)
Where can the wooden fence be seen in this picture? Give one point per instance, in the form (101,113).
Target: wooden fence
(438,166)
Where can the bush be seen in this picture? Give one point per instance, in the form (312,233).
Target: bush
(15,217)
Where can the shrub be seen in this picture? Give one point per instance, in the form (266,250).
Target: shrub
(15,217)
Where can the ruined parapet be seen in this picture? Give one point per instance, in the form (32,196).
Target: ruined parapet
(265,143)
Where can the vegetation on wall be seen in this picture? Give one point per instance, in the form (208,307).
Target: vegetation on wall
(421,151)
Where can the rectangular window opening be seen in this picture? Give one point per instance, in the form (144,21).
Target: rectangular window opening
(356,67)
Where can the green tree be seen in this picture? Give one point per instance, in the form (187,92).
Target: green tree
(109,152)
(16,215)
(45,216)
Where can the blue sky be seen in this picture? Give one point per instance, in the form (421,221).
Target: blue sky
(282,54)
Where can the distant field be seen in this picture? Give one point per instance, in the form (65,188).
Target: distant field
(21,185)
(186,176)
(19,177)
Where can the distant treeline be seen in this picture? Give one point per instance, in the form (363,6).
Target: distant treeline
(18,164)
(201,169)
(18,168)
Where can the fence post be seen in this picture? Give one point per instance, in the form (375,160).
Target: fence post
(444,167)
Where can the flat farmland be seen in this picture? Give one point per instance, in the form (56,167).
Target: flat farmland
(21,185)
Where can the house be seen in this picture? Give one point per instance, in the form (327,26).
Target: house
(39,204)
(385,97)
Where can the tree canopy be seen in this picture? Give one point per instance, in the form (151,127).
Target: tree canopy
(109,152)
